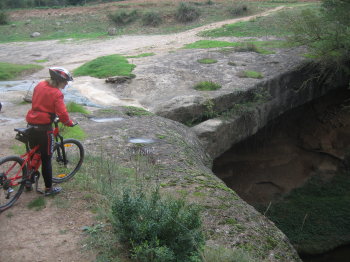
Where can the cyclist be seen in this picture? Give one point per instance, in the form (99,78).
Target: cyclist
(47,103)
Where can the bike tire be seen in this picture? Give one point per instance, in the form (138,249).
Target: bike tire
(74,155)
(7,199)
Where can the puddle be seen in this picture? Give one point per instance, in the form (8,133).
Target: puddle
(139,140)
(103,120)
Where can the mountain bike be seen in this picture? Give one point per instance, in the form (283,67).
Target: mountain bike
(18,172)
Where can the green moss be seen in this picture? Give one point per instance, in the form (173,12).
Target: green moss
(207,86)
(207,61)
(106,66)
(250,74)
(137,111)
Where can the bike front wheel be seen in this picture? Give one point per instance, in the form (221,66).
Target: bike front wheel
(66,164)
(11,180)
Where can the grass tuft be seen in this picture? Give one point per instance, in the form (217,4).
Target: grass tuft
(207,86)
(37,204)
(106,66)
(10,71)
(207,61)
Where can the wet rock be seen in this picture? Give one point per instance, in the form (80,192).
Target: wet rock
(118,79)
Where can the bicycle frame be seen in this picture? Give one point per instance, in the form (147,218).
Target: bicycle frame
(28,158)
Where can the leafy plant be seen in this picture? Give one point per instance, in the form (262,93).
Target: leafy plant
(151,19)
(207,86)
(123,17)
(106,66)
(158,229)
(186,13)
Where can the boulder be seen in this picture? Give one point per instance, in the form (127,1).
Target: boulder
(35,34)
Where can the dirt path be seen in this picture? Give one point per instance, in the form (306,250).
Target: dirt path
(54,233)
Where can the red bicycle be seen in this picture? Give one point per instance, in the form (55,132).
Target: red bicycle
(16,172)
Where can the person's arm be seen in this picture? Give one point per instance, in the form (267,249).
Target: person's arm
(61,111)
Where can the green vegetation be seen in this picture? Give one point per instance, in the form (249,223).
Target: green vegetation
(37,204)
(94,25)
(151,19)
(158,229)
(222,254)
(186,13)
(249,46)
(10,71)
(124,17)
(106,66)
(210,44)
(326,32)
(315,216)
(272,25)
(250,74)
(141,55)
(207,86)
(207,61)
(136,111)
(4,19)
(41,61)
(73,107)
(72,132)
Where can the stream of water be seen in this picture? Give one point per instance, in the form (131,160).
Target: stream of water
(70,94)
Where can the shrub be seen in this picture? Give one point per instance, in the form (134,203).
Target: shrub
(123,18)
(186,13)
(4,19)
(207,86)
(151,19)
(157,229)
(238,9)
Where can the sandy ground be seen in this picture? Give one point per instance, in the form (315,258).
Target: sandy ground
(54,233)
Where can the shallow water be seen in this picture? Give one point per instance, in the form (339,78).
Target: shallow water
(70,94)
(103,120)
(139,140)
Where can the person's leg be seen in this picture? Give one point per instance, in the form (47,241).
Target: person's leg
(46,165)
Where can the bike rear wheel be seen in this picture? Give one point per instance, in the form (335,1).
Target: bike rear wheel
(11,177)
(74,152)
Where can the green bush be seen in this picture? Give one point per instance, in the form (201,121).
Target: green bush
(186,13)
(123,18)
(151,19)
(4,19)
(158,229)
(238,9)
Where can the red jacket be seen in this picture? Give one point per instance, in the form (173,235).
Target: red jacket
(47,99)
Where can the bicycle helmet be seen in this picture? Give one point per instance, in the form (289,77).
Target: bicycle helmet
(60,74)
